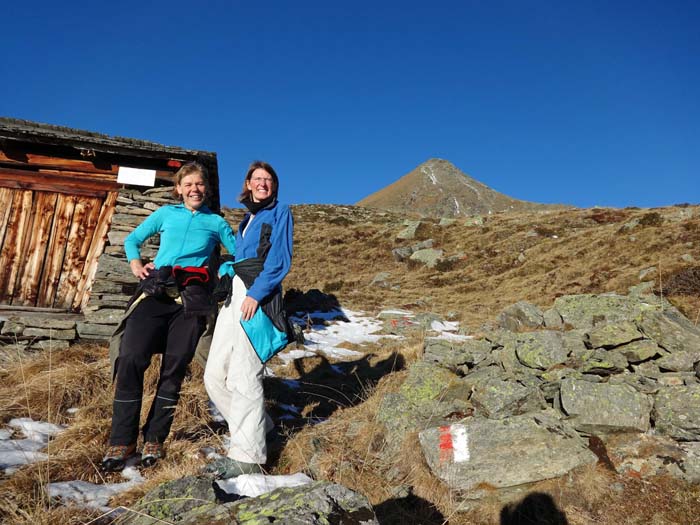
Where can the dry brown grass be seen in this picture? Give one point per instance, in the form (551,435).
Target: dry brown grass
(340,250)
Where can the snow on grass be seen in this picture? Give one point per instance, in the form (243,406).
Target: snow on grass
(15,453)
(324,339)
(93,495)
(253,485)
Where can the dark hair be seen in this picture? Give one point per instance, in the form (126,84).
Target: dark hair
(190,168)
(258,164)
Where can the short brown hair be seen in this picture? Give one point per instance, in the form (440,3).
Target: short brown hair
(190,168)
(258,164)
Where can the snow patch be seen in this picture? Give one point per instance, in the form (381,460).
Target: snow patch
(93,495)
(253,485)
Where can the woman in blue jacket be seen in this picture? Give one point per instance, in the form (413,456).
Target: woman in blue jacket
(166,316)
(251,326)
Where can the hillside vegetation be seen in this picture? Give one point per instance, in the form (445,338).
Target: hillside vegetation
(535,256)
(492,263)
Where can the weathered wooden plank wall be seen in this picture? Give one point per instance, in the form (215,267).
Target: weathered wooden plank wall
(87,211)
(13,245)
(65,205)
(96,248)
(33,257)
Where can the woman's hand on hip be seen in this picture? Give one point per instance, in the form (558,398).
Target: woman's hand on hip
(140,270)
(248,308)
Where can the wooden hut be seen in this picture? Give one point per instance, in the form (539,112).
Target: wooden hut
(64,214)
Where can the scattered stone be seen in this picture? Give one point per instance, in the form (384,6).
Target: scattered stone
(670,329)
(381,280)
(542,349)
(413,230)
(682,361)
(641,350)
(605,362)
(588,310)
(612,335)
(552,319)
(604,407)
(686,257)
(429,257)
(643,455)
(453,354)
(497,399)
(677,412)
(520,315)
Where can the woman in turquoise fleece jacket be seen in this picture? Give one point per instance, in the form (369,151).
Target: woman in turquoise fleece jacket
(168,314)
(234,373)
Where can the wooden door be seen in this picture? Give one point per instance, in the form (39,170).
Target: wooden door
(50,243)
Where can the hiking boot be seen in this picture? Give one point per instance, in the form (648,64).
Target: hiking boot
(224,468)
(115,459)
(152,451)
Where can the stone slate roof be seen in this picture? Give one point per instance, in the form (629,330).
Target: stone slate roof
(25,130)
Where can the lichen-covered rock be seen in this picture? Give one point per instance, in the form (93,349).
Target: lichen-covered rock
(638,351)
(425,382)
(171,500)
(429,257)
(677,412)
(552,319)
(603,407)
(604,362)
(497,398)
(643,455)
(478,455)
(413,230)
(542,349)
(318,503)
(588,310)
(682,361)
(520,315)
(670,329)
(612,335)
(452,354)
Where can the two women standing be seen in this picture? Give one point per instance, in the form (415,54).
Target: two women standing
(168,316)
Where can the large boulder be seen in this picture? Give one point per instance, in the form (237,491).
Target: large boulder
(604,407)
(317,503)
(478,455)
(588,310)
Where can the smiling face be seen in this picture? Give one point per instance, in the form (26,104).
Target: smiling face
(193,190)
(260,184)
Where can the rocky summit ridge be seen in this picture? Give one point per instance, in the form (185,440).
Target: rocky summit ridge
(437,188)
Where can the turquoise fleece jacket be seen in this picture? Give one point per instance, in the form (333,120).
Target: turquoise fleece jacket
(186,238)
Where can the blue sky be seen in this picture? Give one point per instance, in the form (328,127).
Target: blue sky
(579,102)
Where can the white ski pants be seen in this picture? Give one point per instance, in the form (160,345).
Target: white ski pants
(233,378)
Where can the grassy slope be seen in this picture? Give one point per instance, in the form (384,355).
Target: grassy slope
(339,249)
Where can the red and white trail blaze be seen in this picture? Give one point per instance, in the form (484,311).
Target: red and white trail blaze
(454,444)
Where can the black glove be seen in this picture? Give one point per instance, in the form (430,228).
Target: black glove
(222,291)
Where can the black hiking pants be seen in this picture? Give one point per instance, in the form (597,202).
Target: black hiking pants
(156,326)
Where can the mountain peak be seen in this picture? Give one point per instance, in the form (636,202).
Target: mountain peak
(438,188)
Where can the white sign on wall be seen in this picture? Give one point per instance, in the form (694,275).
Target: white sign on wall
(136,176)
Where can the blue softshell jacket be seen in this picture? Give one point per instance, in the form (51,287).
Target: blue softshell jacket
(263,258)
